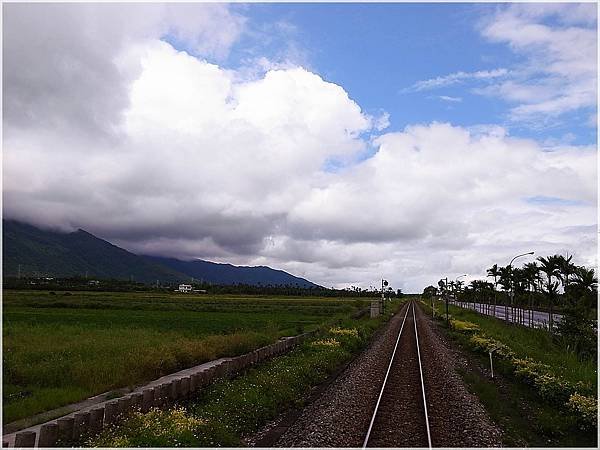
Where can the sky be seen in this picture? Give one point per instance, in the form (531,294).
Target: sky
(339,142)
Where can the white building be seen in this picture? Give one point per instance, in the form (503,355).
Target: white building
(185,288)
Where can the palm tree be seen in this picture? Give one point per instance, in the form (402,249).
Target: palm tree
(505,277)
(532,273)
(458,284)
(551,267)
(565,268)
(494,272)
(519,282)
(585,284)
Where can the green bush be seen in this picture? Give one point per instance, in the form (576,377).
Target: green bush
(577,333)
(549,386)
(528,370)
(463,326)
(482,343)
(586,409)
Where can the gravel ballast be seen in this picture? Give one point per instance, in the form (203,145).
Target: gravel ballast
(340,417)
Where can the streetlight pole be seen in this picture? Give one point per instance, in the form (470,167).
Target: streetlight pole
(446,298)
(456,281)
(512,285)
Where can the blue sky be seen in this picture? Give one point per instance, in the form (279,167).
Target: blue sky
(377,52)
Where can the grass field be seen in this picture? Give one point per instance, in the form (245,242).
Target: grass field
(533,343)
(228,410)
(527,418)
(63,348)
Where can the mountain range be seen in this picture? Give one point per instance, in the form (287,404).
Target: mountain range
(31,251)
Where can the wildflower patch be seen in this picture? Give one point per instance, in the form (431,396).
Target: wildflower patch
(586,408)
(464,326)
(326,343)
(352,332)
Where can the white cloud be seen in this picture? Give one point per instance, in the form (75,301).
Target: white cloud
(455,78)
(448,98)
(63,63)
(382,121)
(210,163)
(556,44)
(202,155)
(560,70)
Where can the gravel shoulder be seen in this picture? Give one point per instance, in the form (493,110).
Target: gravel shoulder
(341,415)
(456,417)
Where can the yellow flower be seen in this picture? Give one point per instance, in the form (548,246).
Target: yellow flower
(326,343)
(464,326)
(586,407)
(344,331)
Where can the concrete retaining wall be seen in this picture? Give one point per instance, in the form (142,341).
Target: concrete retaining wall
(162,393)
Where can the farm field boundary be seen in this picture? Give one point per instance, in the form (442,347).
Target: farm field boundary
(97,412)
(230,412)
(61,349)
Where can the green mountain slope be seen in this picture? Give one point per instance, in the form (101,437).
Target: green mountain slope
(226,274)
(48,253)
(41,252)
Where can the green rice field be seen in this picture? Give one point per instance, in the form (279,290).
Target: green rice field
(60,347)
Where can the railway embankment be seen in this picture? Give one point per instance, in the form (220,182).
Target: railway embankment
(342,415)
(539,392)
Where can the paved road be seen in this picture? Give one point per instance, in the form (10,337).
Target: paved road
(537,319)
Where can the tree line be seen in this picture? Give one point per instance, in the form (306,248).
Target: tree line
(115,285)
(552,284)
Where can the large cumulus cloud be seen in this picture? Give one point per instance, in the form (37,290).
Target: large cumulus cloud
(168,152)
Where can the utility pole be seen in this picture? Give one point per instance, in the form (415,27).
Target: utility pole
(19,273)
(458,287)
(446,298)
(383,284)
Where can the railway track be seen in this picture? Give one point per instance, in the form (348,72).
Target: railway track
(400,417)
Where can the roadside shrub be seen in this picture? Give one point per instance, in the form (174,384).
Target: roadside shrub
(486,344)
(464,326)
(550,387)
(553,388)
(586,409)
(577,333)
(528,370)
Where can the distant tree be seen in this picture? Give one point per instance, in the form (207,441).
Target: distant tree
(565,269)
(531,273)
(494,272)
(550,266)
(584,286)
(429,292)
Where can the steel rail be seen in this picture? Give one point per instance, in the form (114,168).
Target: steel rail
(421,371)
(385,381)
